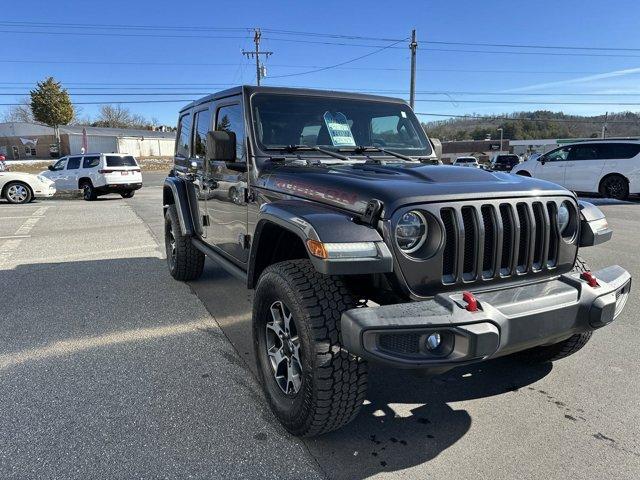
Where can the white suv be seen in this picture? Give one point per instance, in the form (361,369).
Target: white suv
(97,174)
(466,162)
(608,167)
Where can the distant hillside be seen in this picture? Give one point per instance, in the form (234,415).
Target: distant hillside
(538,124)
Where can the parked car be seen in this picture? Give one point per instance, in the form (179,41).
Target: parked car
(607,167)
(504,162)
(96,174)
(466,162)
(18,187)
(359,252)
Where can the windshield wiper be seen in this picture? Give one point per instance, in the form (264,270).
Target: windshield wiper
(296,148)
(362,149)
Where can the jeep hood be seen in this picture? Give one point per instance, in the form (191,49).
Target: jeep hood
(352,186)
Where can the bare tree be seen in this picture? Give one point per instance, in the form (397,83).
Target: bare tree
(117,116)
(19,113)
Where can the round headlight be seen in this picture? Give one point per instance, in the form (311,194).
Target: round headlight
(563,217)
(411,231)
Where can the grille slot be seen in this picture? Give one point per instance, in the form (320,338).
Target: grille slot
(507,239)
(451,241)
(489,225)
(470,241)
(487,241)
(537,249)
(523,247)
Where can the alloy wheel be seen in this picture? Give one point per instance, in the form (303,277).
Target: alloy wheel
(283,348)
(17,193)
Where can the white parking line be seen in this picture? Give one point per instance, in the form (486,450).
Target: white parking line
(14,241)
(15,218)
(14,236)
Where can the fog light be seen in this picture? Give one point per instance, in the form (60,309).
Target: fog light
(433,341)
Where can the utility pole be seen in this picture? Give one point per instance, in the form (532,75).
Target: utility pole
(413,46)
(501,132)
(604,125)
(256,54)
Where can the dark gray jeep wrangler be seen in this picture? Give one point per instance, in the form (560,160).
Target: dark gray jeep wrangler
(359,249)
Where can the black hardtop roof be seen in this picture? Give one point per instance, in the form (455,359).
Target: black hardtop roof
(250,89)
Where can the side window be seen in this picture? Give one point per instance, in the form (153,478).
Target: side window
(60,164)
(203,125)
(557,155)
(73,163)
(182,139)
(584,152)
(90,162)
(610,151)
(229,119)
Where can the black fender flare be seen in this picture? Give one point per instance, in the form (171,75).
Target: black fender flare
(311,221)
(181,193)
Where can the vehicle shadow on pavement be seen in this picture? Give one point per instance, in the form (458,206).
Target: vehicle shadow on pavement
(387,436)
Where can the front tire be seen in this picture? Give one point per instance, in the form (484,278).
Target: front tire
(185,261)
(18,193)
(313,385)
(551,353)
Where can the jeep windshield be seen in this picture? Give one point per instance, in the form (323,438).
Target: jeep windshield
(353,126)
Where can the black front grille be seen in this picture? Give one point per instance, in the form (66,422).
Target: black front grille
(485,241)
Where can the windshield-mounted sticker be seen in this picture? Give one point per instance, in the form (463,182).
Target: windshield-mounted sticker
(339,129)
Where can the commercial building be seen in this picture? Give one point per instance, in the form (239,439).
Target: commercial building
(24,141)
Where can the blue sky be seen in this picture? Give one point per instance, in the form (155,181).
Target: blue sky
(195,65)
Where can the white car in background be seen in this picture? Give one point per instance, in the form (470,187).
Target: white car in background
(97,174)
(608,167)
(466,162)
(18,187)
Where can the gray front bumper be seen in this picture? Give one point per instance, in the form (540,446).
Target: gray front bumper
(507,321)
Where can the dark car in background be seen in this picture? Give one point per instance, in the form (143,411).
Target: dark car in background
(504,162)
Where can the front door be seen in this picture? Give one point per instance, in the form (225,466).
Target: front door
(56,172)
(551,166)
(69,176)
(226,205)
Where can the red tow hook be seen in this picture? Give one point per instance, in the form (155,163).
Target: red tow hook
(592,281)
(471,301)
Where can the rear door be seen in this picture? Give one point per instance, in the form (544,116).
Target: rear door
(620,158)
(551,166)
(584,166)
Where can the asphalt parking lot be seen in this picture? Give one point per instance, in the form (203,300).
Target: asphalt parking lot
(111,369)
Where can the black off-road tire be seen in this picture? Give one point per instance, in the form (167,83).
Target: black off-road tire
(571,345)
(88,191)
(334,382)
(128,194)
(185,261)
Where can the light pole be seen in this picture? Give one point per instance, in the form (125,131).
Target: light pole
(501,131)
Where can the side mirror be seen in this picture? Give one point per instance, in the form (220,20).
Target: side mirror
(221,146)
(50,167)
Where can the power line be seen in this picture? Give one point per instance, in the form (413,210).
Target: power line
(524,102)
(561,120)
(341,63)
(307,34)
(112,102)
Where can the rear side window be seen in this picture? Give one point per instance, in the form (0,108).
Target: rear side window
(584,152)
(182,140)
(118,161)
(618,150)
(73,163)
(203,125)
(90,162)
